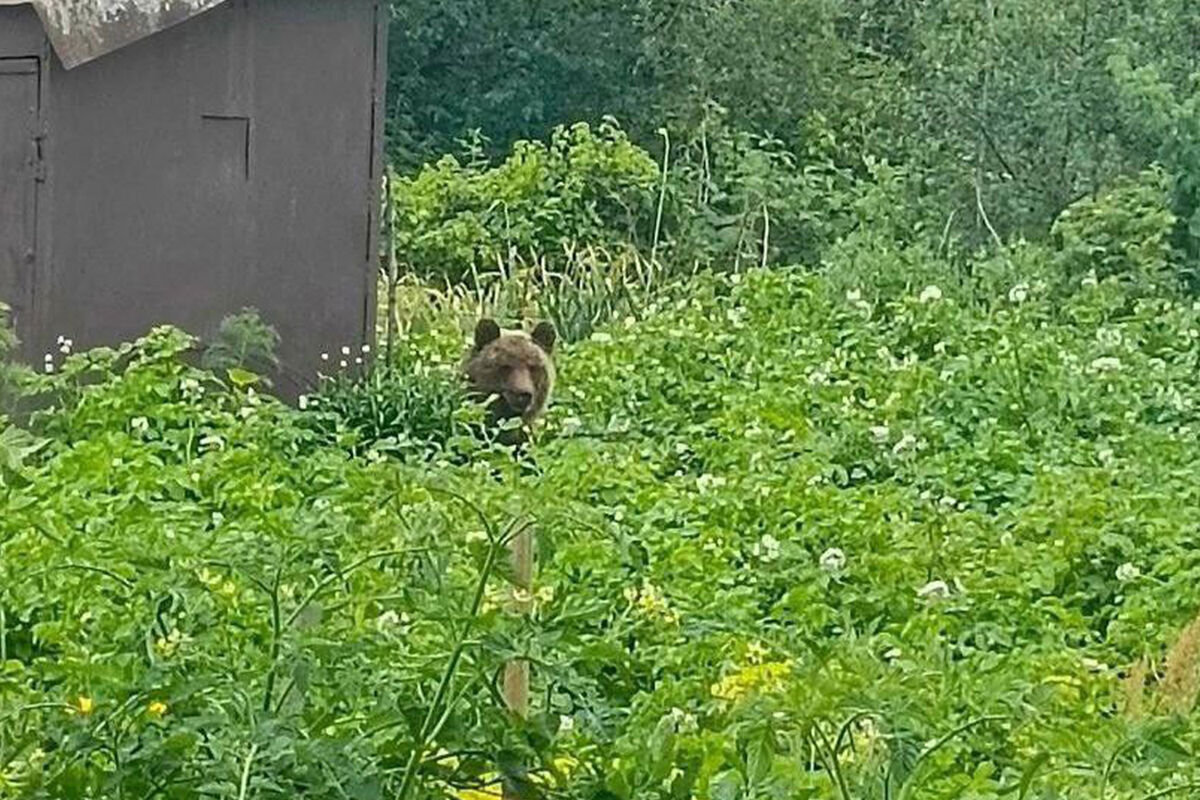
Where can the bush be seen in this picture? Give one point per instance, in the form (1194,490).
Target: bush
(583,189)
(1124,233)
(243,341)
(407,403)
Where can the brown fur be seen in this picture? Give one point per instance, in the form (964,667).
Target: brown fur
(515,367)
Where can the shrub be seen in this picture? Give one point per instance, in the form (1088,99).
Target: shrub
(1124,233)
(406,403)
(583,188)
(243,341)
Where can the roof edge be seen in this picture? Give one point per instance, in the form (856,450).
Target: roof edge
(83,30)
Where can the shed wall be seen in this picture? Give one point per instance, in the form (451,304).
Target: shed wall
(228,161)
(23,61)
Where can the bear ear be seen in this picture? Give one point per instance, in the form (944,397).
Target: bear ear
(486,332)
(544,336)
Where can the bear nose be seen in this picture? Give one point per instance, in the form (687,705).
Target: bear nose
(521,400)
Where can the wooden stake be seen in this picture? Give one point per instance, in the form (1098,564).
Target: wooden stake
(516,672)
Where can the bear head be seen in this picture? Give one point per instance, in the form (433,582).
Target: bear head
(514,367)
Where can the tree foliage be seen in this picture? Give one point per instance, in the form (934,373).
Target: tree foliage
(1007,112)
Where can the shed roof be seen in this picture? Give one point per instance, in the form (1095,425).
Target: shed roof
(81,30)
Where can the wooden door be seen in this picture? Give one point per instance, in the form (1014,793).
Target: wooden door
(19,173)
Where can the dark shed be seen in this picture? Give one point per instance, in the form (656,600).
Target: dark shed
(172,161)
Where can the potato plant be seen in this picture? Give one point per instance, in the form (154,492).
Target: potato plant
(799,535)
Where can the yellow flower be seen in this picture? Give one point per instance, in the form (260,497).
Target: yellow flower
(763,678)
(487,793)
(566,765)
(755,652)
(157,709)
(649,602)
(85,705)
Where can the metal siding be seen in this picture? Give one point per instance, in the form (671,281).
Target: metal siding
(314,82)
(21,33)
(166,212)
(19,161)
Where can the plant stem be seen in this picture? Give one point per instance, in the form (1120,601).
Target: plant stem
(662,193)
(246,772)
(432,715)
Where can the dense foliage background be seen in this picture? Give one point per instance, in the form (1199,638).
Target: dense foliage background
(1018,107)
(870,472)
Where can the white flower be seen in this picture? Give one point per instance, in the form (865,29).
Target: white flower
(324,356)
(1128,572)
(566,724)
(1109,337)
(191,388)
(893,654)
(683,721)
(343,364)
(302,402)
(767,548)
(1106,364)
(49,367)
(213,441)
(833,560)
(880,433)
(934,589)
(140,424)
(366,348)
(49,357)
(217,519)
(387,619)
(345,350)
(358,361)
(1019,293)
(931,294)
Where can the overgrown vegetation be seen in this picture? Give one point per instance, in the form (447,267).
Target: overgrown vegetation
(799,535)
(870,473)
(1009,111)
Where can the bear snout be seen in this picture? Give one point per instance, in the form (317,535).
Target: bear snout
(519,401)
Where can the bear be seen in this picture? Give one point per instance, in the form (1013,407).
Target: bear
(516,369)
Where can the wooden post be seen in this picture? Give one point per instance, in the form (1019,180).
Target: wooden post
(516,672)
